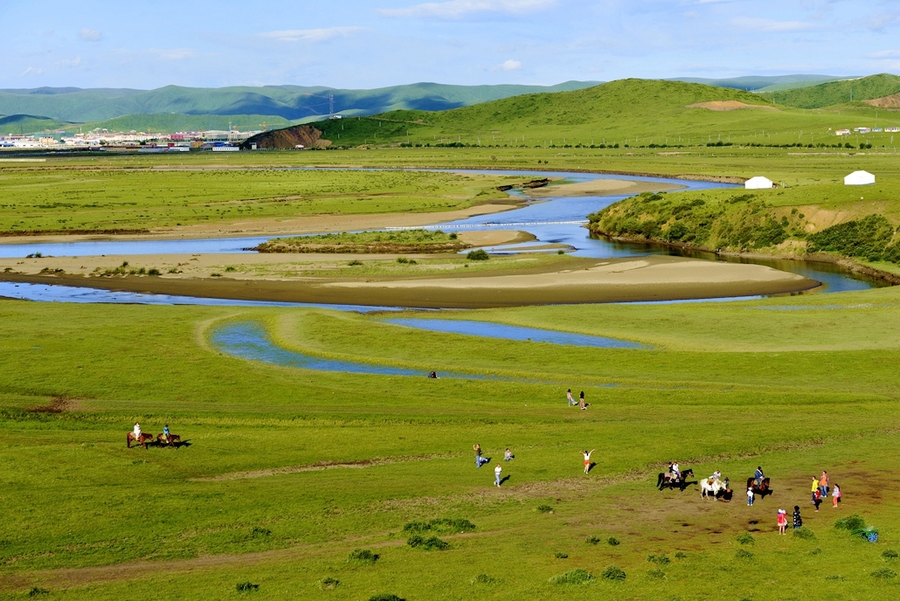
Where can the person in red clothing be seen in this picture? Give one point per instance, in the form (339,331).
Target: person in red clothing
(782,521)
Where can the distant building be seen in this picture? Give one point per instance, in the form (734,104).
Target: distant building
(859,178)
(758,183)
(842,132)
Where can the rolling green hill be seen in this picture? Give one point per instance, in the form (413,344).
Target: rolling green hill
(762,83)
(837,92)
(28,124)
(291,103)
(629,112)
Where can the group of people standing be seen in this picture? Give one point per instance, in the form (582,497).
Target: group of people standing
(820,488)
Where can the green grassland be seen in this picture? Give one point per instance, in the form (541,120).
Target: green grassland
(289,471)
(636,113)
(122,195)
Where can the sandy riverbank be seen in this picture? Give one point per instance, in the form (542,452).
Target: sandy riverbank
(601,187)
(613,280)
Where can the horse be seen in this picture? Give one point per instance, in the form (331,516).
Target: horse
(762,490)
(711,487)
(665,479)
(174,440)
(143,439)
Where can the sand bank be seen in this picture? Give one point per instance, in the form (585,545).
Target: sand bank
(601,187)
(614,280)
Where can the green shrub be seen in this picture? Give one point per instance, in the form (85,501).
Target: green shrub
(659,559)
(362,556)
(592,540)
(884,573)
(544,509)
(561,555)
(804,533)
(416,526)
(484,579)
(257,531)
(656,573)
(385,597)
(837,577)
(745,538)
(577,576)
(889,554)
(612,541)
(355,263)
(35,592)
(478,255)
(853,522)
(743,554)
(613,573)
(432,543)
(328,583)
(246,587)
(680,555)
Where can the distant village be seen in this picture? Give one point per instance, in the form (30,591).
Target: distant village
(223,140)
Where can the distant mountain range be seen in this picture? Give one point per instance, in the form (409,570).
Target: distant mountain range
(175,108)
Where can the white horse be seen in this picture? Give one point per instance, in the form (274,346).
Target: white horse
(711,487)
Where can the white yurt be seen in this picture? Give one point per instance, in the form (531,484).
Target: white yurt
(859,178)
(758,183)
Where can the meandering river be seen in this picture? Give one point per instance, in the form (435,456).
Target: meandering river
(554,220)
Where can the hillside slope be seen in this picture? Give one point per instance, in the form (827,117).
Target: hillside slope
(288,102)
(625,112)
(837,92)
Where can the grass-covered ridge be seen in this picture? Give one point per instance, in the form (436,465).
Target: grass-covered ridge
(794,221)
(837,92)
(397,241)
(632,112)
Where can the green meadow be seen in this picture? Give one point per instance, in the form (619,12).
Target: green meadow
(288,471)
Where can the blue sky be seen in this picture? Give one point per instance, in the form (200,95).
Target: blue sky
(375,43)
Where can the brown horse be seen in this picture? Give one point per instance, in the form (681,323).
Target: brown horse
(143,440)
(174,440)
(762,490)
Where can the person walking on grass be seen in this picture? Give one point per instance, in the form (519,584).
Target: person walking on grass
(814,488)
(569,398)
(782,521)
(749,496)
(823,483)
(835,496)
(479,460)
(798,521)
(497,471)
(587,460)
(817,499)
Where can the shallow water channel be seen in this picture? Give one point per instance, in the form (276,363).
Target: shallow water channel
(249,340)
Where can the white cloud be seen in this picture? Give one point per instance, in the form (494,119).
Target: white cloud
(455,9)
(32,71)
(510,65)
(69,64)
(885,54)
(89,35)
(174,54)
(310,35)
(756,24)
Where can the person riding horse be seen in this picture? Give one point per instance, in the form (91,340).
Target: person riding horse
(759,476)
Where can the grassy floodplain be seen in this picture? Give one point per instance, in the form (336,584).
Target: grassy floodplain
(289,471)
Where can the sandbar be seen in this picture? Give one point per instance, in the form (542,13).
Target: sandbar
(591,281)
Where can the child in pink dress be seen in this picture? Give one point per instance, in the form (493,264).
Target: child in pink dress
(782,521)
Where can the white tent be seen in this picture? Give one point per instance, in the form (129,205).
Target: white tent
(859,178)
(758,183)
